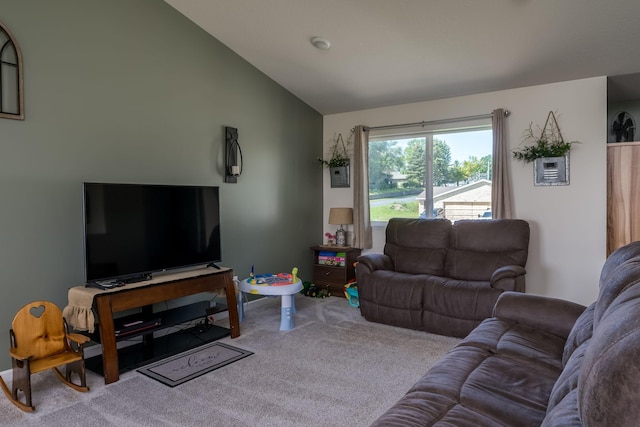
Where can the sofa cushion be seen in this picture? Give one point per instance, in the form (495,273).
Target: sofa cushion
(608,391)
(565,413)
(398,298)
(567,382)
(519,342)
(475,386)
(617,257)
(418,246)
(617,282)
(581,332)
(462,299)
(480,247)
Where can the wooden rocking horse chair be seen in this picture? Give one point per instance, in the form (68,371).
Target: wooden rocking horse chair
(40,340)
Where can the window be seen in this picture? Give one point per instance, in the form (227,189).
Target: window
(11,84)
(443,174)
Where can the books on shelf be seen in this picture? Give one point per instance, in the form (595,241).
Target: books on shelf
(332,258)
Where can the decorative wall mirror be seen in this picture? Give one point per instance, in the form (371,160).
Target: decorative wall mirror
(11,82)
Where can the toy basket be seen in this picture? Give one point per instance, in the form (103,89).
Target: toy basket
(351,293)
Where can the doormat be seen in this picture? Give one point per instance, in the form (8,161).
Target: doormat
(191,364)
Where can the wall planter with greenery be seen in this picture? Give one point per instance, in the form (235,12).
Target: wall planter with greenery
(338,164)
(548,151)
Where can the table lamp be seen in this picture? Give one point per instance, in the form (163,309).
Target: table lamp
(341,216)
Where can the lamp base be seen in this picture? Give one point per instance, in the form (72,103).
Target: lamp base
(341,237)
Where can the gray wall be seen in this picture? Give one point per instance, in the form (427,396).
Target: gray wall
(132,91)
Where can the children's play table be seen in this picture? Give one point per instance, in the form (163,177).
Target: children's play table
(285,291)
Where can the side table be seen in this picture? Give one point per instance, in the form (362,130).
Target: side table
(286,292)
(334,277)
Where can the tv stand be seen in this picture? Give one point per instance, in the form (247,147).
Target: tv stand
(159,289)
(214,265)
(136,279)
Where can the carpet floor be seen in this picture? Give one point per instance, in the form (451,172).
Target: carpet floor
(333,369)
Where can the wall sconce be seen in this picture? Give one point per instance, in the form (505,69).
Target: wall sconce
(233,156)
(341,216)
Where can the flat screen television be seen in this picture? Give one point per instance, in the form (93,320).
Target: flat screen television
(133,230)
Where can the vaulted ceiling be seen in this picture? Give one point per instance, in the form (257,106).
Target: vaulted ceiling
(387,52)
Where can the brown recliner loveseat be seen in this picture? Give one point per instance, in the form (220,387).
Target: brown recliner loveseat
(442,277)
(541,362)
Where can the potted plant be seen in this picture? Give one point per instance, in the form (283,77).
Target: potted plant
(338,164)
(330,238)
(548,151)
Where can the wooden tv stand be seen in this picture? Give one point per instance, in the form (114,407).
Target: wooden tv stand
(156,290)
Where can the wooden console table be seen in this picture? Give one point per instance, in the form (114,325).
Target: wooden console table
(160,289)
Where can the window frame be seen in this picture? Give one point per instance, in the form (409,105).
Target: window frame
(11,45)
(428,134)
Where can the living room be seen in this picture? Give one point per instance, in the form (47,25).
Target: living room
(123,91)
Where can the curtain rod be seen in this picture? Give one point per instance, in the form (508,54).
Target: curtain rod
(433,122)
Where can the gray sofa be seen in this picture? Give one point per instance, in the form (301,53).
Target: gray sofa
(442,277)
(541,361)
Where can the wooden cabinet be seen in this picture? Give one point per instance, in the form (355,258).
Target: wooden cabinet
(334,277)
(623,197)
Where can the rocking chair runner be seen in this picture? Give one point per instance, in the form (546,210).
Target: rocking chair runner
(40,340)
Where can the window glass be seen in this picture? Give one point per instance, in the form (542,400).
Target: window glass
(445,175)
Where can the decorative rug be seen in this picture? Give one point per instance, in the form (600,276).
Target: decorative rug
(191,364)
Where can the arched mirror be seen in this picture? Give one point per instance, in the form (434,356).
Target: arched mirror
(11,83)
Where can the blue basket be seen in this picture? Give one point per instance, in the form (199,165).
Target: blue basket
(351,293)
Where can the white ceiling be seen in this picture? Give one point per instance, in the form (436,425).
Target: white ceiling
(387,52)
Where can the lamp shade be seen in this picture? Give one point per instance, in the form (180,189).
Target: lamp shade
(341,216)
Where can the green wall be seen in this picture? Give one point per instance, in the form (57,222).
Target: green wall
(132,91)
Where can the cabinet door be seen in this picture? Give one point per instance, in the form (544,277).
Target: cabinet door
(623,201)
(332,276)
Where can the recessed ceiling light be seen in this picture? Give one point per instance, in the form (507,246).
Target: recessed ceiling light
(320,43)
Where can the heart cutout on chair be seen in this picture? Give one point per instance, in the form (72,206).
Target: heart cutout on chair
(37,311)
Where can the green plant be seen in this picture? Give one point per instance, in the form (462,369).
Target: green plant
(549,143)
(334,162)
(339,155)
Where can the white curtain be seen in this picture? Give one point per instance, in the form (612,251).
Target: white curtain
(501,203)
(361,217)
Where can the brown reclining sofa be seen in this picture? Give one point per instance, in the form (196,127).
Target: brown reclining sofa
(541,361)
(442,277)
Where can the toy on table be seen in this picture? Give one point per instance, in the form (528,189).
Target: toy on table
(269,279)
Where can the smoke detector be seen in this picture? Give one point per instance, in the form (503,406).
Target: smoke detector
(320,43)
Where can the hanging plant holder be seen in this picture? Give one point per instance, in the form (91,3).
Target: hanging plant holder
(549,154)
(340,176)
(338,164)
(552,170)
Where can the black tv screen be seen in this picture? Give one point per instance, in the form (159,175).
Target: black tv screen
(133,230)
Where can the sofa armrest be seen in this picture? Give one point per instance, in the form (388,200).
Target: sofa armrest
(550,314)
(509,278)
(374,262)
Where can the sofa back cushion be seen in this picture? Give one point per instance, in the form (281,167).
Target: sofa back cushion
(581,332)
(480,247)
(418,246)
(601,352)
(620,271)
(617,257)
(608,392)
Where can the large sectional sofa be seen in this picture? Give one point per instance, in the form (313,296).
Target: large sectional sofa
(442,277)
(541,361)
